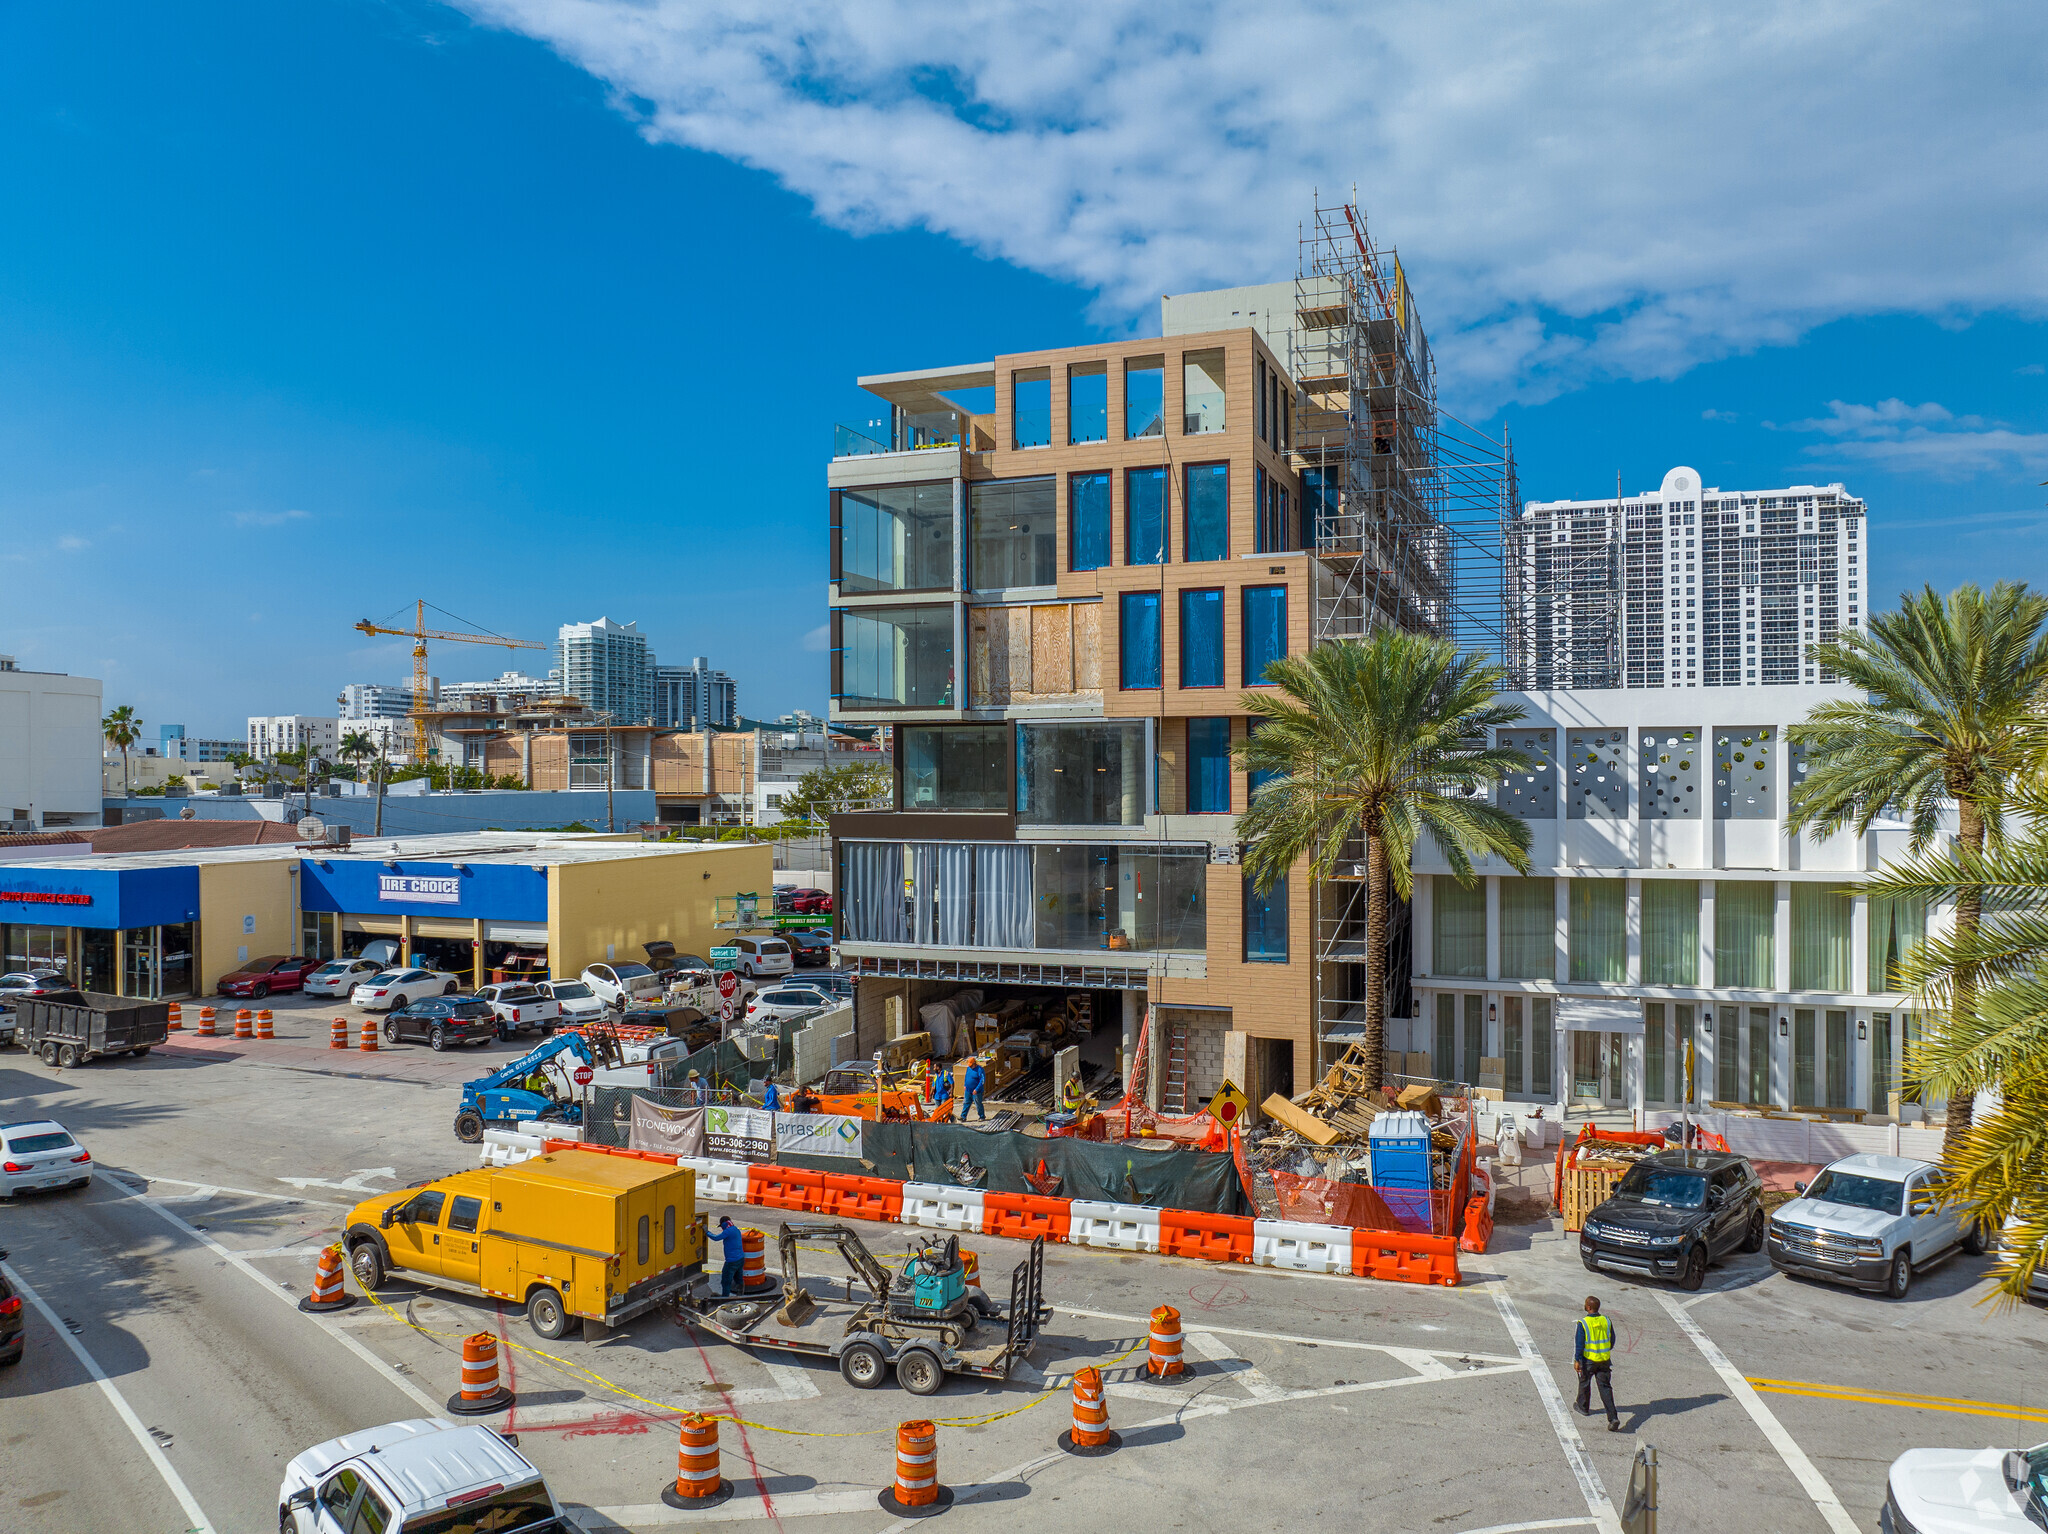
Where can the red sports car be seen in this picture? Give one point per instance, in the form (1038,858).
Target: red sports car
(274,972)
(811,903)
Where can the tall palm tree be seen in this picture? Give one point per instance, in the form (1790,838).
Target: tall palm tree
(355,745)
(122,729)
(1380,740)
(1949,715)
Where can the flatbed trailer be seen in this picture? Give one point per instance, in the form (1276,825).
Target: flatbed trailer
(859,1336)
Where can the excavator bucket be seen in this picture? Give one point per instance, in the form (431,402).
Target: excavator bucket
(798,1309)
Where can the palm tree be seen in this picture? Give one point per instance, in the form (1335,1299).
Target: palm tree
(1949,714)
(355,745)
(122,729)
(1380,740)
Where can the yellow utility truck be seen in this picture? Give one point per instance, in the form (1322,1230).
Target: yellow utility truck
(604,1236)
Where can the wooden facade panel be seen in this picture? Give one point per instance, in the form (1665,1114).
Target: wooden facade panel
(1052,650)
(1088,646)
(550,761)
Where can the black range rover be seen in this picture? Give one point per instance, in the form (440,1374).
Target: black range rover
(1673,1213)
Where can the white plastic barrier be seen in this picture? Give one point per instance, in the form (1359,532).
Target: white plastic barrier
(721,1182)
(502,1147)
(1120,1227)
(1301,1247)
(937,1207)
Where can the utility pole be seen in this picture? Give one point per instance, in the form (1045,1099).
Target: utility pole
(383,772)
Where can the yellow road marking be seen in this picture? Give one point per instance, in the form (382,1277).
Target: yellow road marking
(1896,1398)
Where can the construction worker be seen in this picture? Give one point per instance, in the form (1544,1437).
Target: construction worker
(1594,1354)
(1070,1095)
(734,1240)
(971,1082)
(943,1093)
(771,1099)
(699,1089)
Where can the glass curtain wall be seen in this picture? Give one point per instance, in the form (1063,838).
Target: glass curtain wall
(1745,954)
(1202,398)
(1081,774)
(1011,538)
(37,949)
(1103,896)
(1820,939)
(1528,929)
(1088,521)
(1599,931)
(1457,928)
(956,767)
(174,959)
(894,657)
(896,538)
(1144,397)
(1088,402)
(1671,932)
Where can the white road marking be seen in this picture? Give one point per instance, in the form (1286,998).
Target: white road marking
(1254,1380)
(1541,1523)
(413,1392)
(1802,1468)
(1320,1342)
(171,1478)
(202,1191)
(1590,1486)
(353,1183)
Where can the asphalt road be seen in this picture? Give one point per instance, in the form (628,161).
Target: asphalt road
(1314,1400)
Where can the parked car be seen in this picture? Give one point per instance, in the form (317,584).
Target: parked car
(400,987)
(810,902)
(1673,1213)
(1872,1222)
(620,985)
(786,1001)
(760,956)
(426,1474)
(520,1005)
(338,977)
(274,972)
(10,1320)
(1967,1491)
(443,1020)
(577,1001)
(21,982)
(810,945)
(2037,1289)
(40,1154)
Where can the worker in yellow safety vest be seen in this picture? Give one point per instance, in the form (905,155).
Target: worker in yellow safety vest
(1594,1354)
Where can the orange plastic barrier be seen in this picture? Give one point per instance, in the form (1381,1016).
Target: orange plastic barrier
(1590,1136)
(788,1187)
(1213,1237)
(1403,1258)
(856,1198)
(1478,1225)
(1026,1215)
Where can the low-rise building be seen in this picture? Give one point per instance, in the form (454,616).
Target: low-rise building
(50,745)
(272,734)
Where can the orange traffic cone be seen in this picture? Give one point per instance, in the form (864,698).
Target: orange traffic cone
(916,1492)
(697,1482)
(263,1030)
(1164,1361)
(369,1043)
(1091,1434)
(337,1034)
(245,1024)
(480,1391)
(177,1018)
(205,1028)
(328,1293)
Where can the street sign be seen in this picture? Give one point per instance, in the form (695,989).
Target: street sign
(583,1075)
(1228,1105)
(725,958)
(728,982)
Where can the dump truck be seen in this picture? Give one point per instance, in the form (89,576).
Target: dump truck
(576,1233)
(68,1028)
(924,1323)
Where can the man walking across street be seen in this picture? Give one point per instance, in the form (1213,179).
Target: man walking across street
(1593,1352)
(971,1081)
(733,1239)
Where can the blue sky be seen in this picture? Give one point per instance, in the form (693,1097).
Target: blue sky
(545,310)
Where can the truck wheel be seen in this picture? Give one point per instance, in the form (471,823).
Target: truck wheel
(544,1313)
(437,1040)
(1695,1271)
(139,1053)
(862,1366)
(1898,1282)
(920,1373)
(1975,1242)
(1753,1239)
(67,1055)
(469,1126)
(367,1263)
(49,1054)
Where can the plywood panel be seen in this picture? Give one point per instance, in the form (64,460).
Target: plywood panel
(1052,650)
(981,661)
(1088,646)
(1018,620)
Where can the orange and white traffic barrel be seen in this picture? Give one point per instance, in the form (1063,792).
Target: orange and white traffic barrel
(205,1028)
(916,1492)
(337,1034)
(1163,1360)
(263,1028)
(1091,1434)
(245,1023)
(368,1045)
(697,1482)
(328,1293)
(177,1018)
(754,1272)
(480,1391)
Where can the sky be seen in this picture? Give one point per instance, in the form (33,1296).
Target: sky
(545,309)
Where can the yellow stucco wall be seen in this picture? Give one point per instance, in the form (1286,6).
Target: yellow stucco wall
(229,893)
(663,896)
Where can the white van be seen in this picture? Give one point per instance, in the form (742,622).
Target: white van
(760,956)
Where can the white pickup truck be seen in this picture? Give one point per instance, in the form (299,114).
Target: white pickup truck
(519,1005)
(1871,1222)
(426,1476)
(621,985)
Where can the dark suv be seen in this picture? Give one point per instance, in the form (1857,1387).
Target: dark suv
(1673,1213)
(443,1020)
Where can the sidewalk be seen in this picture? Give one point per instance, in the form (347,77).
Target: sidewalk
(302,1026)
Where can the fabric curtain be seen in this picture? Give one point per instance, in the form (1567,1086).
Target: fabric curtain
(1671,932)
(1528,929)
(874,891)
(1744,948)
(924,869)
(952,896)
(1002,897)
(1599,933)
(1457,929)
(1820,939)
(1897,926)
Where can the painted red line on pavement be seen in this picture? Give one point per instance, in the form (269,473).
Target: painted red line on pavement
(746,1444)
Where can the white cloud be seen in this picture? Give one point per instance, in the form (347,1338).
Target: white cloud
(1884,419)
(1719,415)
(270,518)
(1606,190)
(71,543)
(819,638)
(1925,438)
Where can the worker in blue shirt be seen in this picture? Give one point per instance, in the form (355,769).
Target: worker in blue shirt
(943,1092)
(733,1239)
(1593,1353)
(771,1099)
(971,1081)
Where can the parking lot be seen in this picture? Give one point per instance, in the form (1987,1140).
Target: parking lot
(224,1166)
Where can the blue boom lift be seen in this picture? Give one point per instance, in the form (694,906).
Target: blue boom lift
(502,1100)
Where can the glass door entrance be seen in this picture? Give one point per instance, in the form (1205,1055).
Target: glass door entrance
(96,959)
(1589,1065)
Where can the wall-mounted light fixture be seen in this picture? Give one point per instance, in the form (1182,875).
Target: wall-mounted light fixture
(1784,1027)
(1492,1011)
(462,868)
(1862,1028)
(391,863)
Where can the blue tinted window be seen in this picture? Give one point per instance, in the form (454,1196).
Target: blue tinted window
(1088,403)
(1254,781)
(1207,503)
(1145,397)
(1138,639)
(1265,631)
(1145,517)
(1208,766)
(1031,407)
(1319,506)
(1265,924)
(1201,638)
(1275,529)
(1088,521)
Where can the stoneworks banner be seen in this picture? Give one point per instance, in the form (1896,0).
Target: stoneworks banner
(739,1134)
(817,1134)
(666,1131)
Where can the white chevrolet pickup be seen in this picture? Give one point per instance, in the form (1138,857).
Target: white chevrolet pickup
(1871,1222)
(426,1476)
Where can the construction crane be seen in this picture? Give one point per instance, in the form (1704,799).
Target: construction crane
(419,634)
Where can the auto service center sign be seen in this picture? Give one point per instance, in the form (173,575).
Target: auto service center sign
(420,889)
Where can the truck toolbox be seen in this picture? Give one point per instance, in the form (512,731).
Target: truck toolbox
(71,1029)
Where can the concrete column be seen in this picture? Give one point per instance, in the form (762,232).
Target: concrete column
(1859,942)
(1781,938)
(1632,905)
(1706,934)
(1563,912)
(1493,928)
(1134,1010)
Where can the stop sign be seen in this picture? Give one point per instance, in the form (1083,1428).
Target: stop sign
(728,982)
(584,1075)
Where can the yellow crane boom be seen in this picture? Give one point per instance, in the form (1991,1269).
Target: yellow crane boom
(419,634)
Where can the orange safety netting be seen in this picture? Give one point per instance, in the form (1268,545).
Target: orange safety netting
(1319,1201)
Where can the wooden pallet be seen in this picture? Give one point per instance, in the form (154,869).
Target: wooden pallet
(1586,1187)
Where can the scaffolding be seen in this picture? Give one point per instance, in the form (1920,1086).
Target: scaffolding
(1562,606)
(1404,508)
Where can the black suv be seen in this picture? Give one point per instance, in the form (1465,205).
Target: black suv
(1673,1213)
(10,1320)
(443,1020)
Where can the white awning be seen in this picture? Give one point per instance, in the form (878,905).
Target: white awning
(1600,1014)
(509,932)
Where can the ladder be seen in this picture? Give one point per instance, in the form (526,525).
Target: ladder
(1173,1096)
